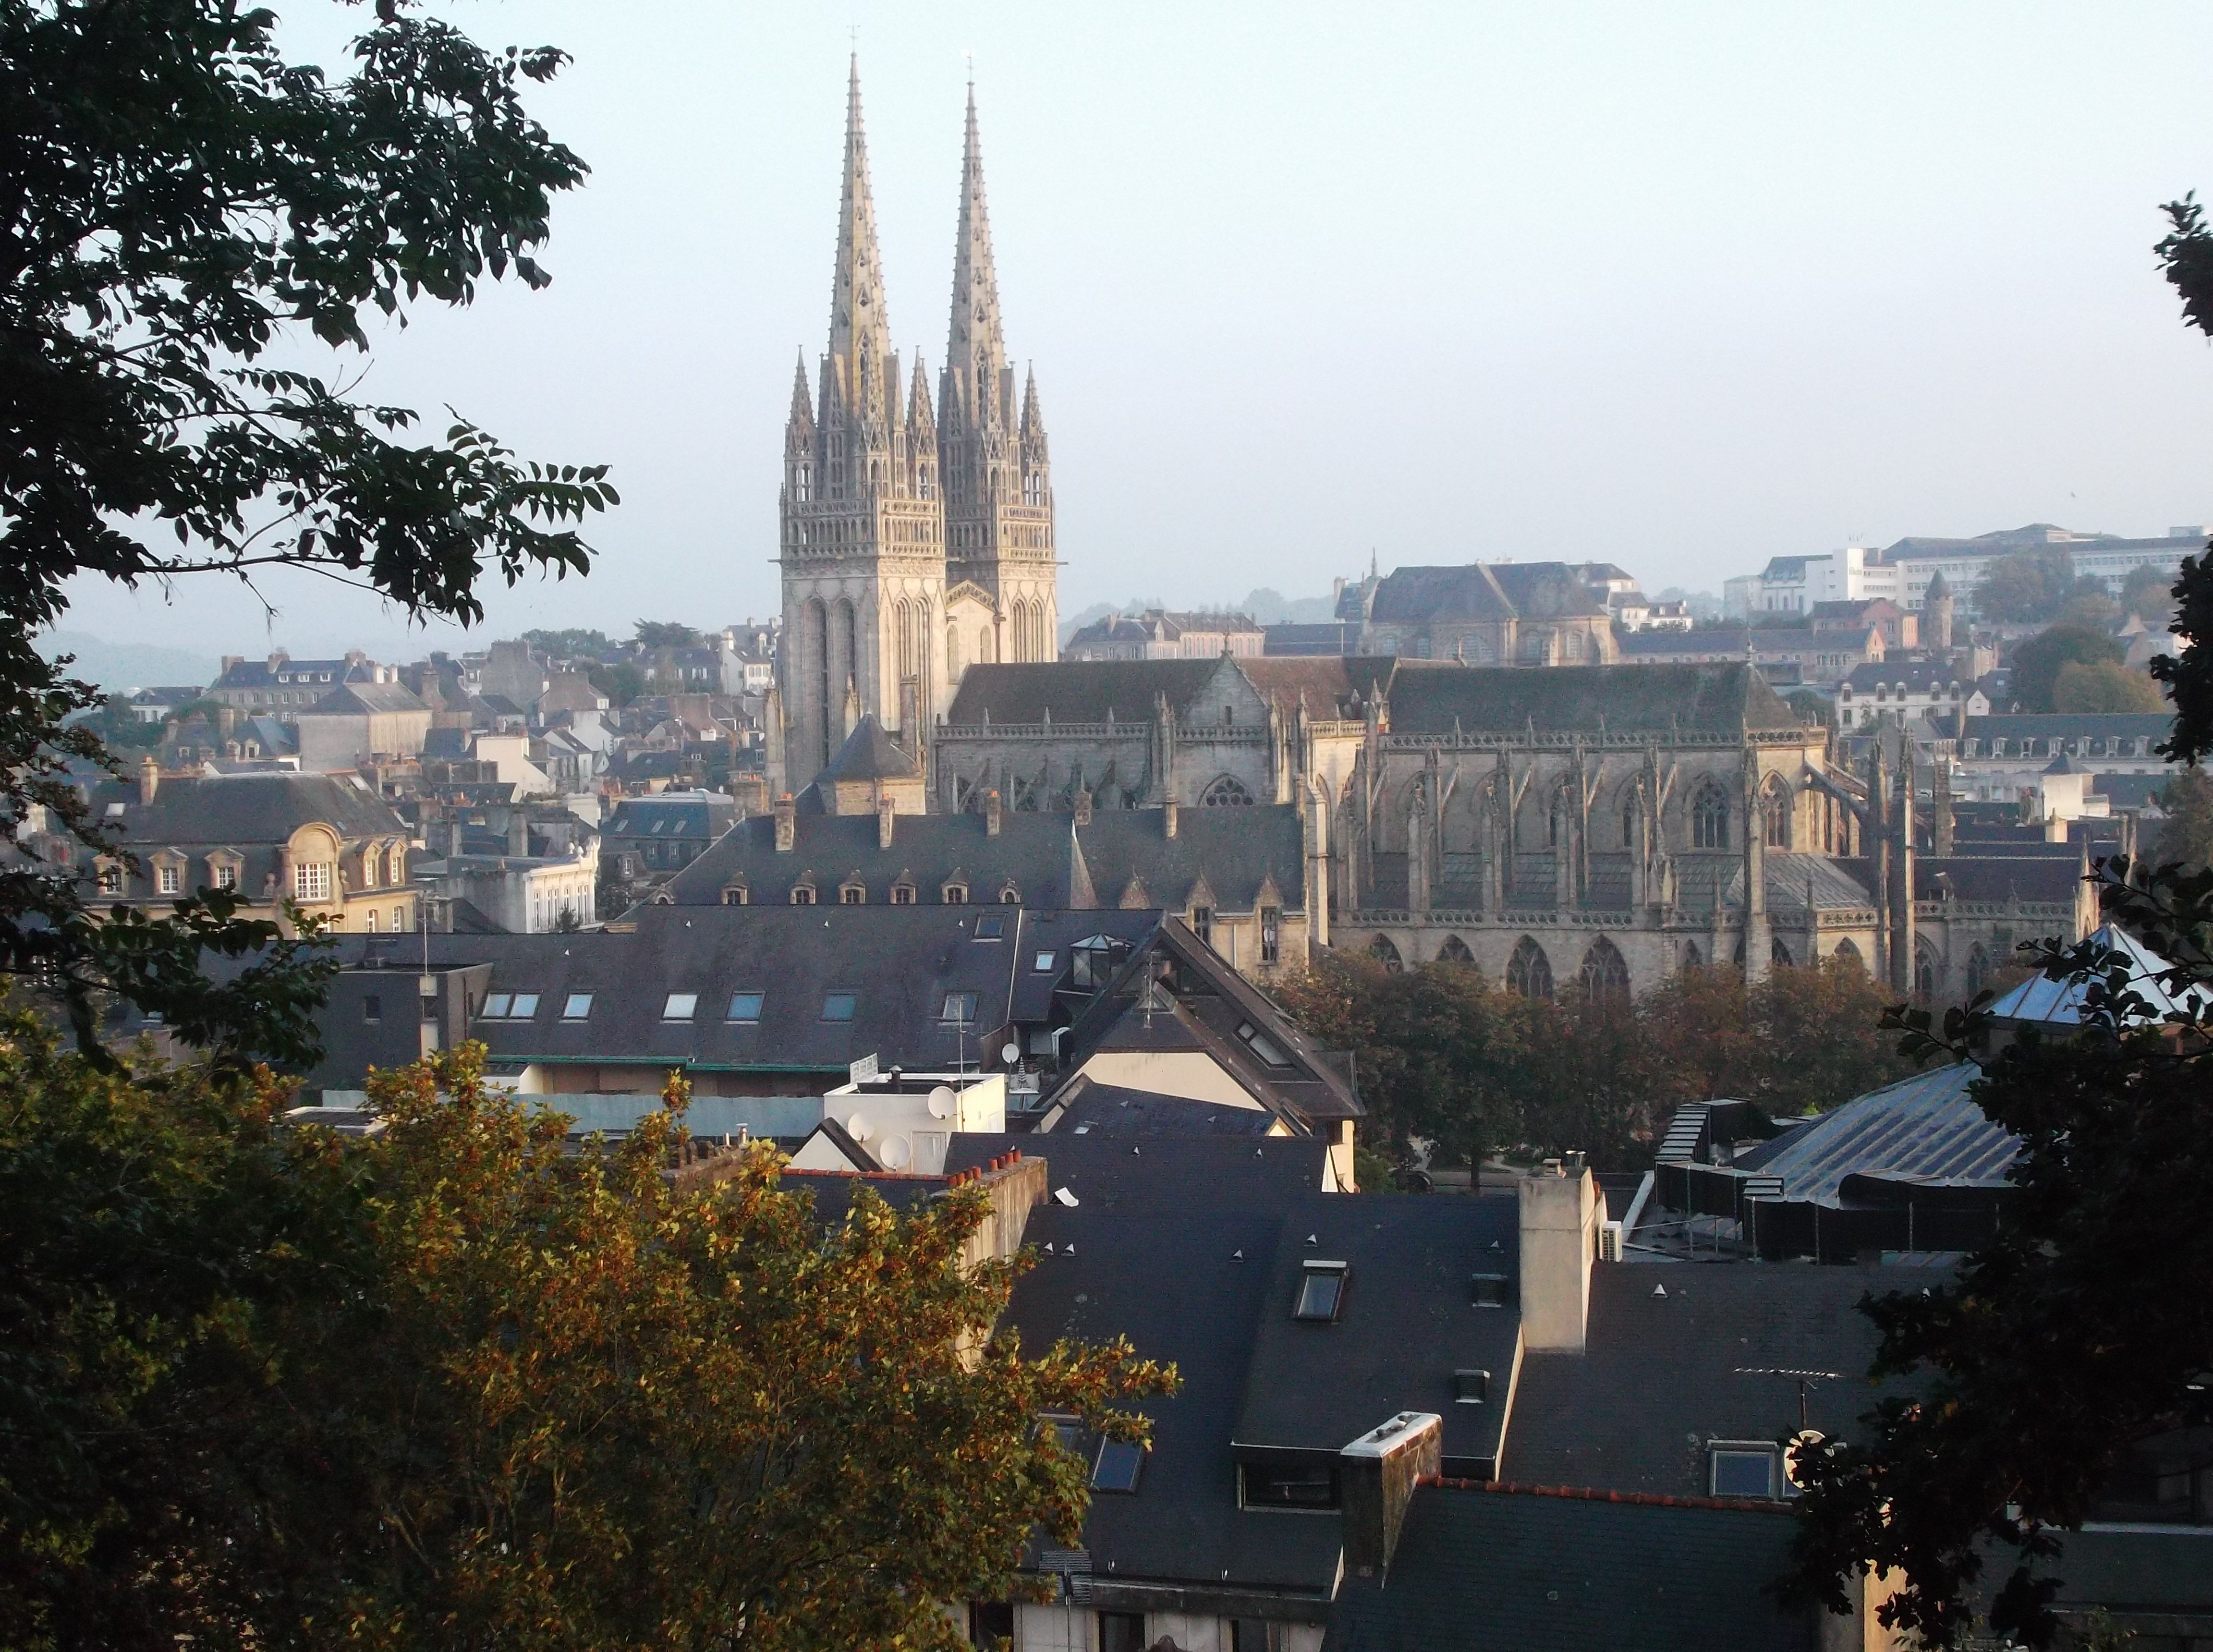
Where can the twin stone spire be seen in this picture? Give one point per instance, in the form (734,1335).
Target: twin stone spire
(914,541)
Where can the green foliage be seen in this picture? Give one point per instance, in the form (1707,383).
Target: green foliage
(2026,587)
(1812,708)
(665,634)
(621,684)
(1443,1054)
(2186,254)
(2185,835)
(2037,661)
(2104,687)
(572,644)
(2077,1331)
(2148,593)
(458,1386)
(182,207)
(119,727)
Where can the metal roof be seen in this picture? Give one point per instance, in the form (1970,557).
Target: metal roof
(2061,1002)
(1926,1128)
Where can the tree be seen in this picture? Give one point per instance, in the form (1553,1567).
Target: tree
(2077,1331)
(2185,835)
(2037,661)
(573,644)
(181,208)
(2148,594)
(460,1386)
(2104,686)
(2186,253)
(621,684)
(665,634)
(2026,587)
(1812,708)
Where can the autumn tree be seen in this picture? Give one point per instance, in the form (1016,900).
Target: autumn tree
(2103,686)
(2037,662)
(193,229)
(2026,586)
(460,1385)
(2185,835)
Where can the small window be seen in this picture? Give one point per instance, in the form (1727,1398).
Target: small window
(991,926)
(955,895)
(1305,1486)
(1117,1467)
(1010,896)
(1744,1470)
(575,1007)
(1272,935)
(1121,1631)
(1471,1387)
(1490,1289)
(679,1006)
(735,895)
(902,894)
(1202,924)
(226,877)
(1261,1045)
(1043,962)
(802,894)
(746,1006)
(372,1008)
(959,1007)
(839,1006)
(169,878)
(495,1005)
(524,1007)
(311,881)
(852,894)
(1069,1430)
(1321,1291)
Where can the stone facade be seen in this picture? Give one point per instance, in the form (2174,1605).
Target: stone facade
(911,541)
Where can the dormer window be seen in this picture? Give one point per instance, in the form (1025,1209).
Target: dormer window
(852,894)
(1321,1291)
(1261,1045)
(1009,896)
(110,878)
(802,894)
(736,894)
(169,878)
(954,894)
(1744,1468)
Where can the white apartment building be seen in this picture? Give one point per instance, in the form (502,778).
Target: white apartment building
(1902,572)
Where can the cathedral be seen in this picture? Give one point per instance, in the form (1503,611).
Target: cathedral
(914,541)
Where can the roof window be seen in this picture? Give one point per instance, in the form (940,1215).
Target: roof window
(495,1005)
(839,1006)
(1261,1045)
(959,1007)
(679,1006)
(1321,1291)
(575,1006)
(1117,1467)
(1471,1387)
(524,1007)
(1743,1468)
(1490,1289)
(746,1006)
(1044,961)
(991,926)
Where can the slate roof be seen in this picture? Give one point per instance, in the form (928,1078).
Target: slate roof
(869,754)
(258,674)
(1334,686)
(1408,1321)
(1233,849)
(1659,1378)
(1418,596)
(1703,643)
(1546,590)
(1435,697)
(1993,875)
(1789,875)
(1502,1571)
(2043,725)
(1925,1129)
(676,815)
(898,962)
(366,699)
(1075,690)
(1113,1110)
(1916,676)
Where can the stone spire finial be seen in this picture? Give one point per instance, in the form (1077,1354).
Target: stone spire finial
(860,324)
(975,349)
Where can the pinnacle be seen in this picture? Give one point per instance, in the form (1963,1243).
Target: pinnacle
(975,352)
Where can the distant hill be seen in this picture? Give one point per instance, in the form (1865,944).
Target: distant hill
(119,668)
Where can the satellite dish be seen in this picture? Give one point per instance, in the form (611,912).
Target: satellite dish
(1010,1053)
(858,1127)
(1806,1440)
(898,1153)
(941,1102)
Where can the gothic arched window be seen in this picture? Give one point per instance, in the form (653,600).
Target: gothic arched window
(1775,815)
(1928,974)
(1529,972)
(1978,970)
(1709,813)
(1605,973)
(1225,791)
(1849,955)
(1629,822)
(1455,951)
(1691,957)
(1385,953)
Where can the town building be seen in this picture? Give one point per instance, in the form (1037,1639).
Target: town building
(1157,634)
(1532,613)
(1909,690)
(357,723)
(912,541)
(282,685)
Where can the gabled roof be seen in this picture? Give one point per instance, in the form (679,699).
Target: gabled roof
(1075,690)
(1495,1570)
(1436,698)
(266,807)
(366,699)
(1332,685)
(1090,1109)
(2062,1003)
(1420,596)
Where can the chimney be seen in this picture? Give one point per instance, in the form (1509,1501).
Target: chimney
(787,824)
(1376,1477)
(1561,1213)
(884,812)
(1082,807)
(149,779)
(1168,818)
(991,814)
(518,833)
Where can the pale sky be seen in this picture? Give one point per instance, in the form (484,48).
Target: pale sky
(1679,287)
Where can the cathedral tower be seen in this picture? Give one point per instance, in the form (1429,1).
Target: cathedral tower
(862,528)
(993,458)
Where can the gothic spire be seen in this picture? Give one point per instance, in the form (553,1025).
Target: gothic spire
(860,329)
(975,351)
(1032,421)
(802,407)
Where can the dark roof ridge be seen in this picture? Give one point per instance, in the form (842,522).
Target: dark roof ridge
(1600,1494)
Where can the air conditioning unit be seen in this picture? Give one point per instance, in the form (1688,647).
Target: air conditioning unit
(1609,1241)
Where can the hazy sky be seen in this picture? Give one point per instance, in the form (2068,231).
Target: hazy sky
(1681,287)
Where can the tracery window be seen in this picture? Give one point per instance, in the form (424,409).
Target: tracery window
(1529,972)
(1709,821)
